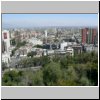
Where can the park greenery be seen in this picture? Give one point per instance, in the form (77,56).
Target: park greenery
(79,70)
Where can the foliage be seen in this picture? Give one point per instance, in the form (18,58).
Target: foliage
(19,44)
(32,53)
(79,70)
(45,60)
(51,73)
(38,78)
(11,78)
(38,46)
(84,81)
(13,42)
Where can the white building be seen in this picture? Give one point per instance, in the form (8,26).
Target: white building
(65,44)
(6,58)
(6,45)
(35,41)
(70,51)
(46,34)
(50,52)
(45,52)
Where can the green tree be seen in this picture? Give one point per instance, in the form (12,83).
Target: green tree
(44,60)
(38,78)
(92,72)
(19,44)
(71,74)
(31,54)
(84,81)
(56,58)
(11,78)
(64,62)
(13,42)
(32,78)
(51,73)
(38,46)
(27,62)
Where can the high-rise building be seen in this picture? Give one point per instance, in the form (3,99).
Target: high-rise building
(94,34)
(84,35)
(5,40)
(5,47)
(89,35)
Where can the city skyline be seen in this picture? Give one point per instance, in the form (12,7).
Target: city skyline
(36,20)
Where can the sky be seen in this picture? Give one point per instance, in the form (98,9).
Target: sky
(35,20)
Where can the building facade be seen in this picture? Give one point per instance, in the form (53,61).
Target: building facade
(89,35)
(5,47)
(5,41)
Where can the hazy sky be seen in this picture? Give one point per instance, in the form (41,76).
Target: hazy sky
(31,20)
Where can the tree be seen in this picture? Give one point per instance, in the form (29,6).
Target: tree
(32,53)
(38,78)
(92,72)
(11,78)
(38,46)
(32,78)
(27,62)
(64,62)
(80,70)
(84,81)
(71,74)
(36,62)
(19,44)
(44,60)
(13,42)
(51,73)
(56,58)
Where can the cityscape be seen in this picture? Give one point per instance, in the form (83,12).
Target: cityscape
(49,50)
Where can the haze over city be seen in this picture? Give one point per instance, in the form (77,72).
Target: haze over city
(43,20)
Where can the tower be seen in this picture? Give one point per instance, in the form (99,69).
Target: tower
(94,32)
(84,35)
(5,47)
(6,40)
